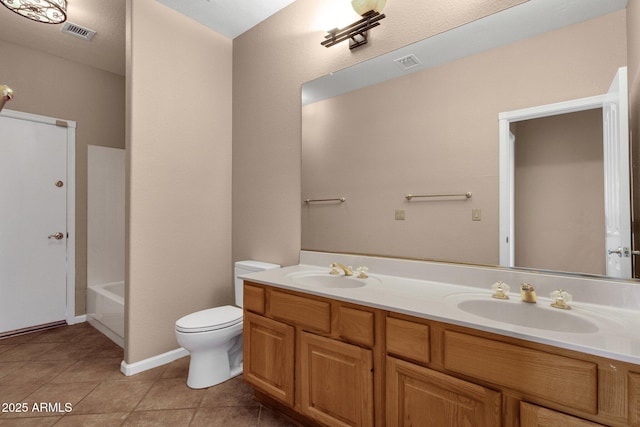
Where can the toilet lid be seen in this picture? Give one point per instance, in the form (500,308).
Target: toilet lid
(210,319)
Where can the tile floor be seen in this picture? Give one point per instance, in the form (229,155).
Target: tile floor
(70,376)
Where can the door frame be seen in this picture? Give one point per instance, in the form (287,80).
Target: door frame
(506,161)
(71,201)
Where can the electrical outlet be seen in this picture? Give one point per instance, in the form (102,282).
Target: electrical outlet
(476,215)
(399,214)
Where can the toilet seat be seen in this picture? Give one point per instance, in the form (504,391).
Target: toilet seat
(210,319)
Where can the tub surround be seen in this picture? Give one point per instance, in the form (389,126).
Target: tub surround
(420,289)
(105,310)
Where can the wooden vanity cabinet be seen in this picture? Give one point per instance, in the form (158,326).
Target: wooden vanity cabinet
(269,356)
(330,363)
(421,397)
(336,381)
(322,361)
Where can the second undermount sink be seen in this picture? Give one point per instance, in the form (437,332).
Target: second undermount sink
(326,280)
(516,312)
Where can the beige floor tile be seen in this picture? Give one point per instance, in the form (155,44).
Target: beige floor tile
(230,416)
(113,419)
(170,393)
(29,422)
(269,418)
(233,392)
(16,393)
(25,352)
(87,370)
(31,372)
(7,368)
(113,396)
(177,369)
(169,418)
(79,365)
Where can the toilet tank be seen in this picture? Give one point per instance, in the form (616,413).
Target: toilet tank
(246,267)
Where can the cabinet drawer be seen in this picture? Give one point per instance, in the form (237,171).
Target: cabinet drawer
(304,312)
(253,298)
(408,339)
(554,378)
(355,325)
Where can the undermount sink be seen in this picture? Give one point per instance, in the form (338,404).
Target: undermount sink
(515,312)
(326,280)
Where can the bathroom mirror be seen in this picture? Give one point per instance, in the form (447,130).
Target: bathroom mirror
(428,126)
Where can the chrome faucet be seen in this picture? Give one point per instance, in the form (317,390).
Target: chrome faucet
(335,265)
(528,293)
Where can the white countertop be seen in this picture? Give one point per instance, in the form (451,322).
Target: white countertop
(617,337)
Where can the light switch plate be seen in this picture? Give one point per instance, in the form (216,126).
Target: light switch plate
(476,214)
(400,215)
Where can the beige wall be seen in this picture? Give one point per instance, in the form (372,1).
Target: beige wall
(559,188)
(50,86)
(179,174)
(271,61)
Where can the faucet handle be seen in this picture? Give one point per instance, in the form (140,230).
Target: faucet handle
(362,272)
(500,290)
(561,299)
(334,269)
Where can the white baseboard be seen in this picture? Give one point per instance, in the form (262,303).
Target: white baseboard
(76,319)
(129,369)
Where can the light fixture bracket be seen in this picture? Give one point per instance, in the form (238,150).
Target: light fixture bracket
(45,11)
(357,33)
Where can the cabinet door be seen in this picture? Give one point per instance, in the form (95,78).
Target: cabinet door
(537,416)
(269,356)
(421,397)
(336,382)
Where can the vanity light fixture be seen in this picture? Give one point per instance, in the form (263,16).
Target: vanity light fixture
(45,11)
(358,32)
(5,95)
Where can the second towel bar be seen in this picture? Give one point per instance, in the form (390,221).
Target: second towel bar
(467,195)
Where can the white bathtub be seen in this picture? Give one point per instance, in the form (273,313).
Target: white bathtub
(105,310)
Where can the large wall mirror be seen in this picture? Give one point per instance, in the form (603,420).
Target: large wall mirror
(428,126)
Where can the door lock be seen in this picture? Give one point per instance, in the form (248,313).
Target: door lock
(57,236)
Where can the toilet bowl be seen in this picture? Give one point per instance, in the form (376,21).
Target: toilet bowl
(213,337)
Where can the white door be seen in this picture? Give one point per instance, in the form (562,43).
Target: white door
(33,223)
(617,201)
(615,111)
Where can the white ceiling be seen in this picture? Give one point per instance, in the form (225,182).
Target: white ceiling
(228,17)
(106,50)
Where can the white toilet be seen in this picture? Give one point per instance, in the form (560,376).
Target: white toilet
(213,337)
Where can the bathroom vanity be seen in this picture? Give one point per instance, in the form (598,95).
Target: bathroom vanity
(398,351)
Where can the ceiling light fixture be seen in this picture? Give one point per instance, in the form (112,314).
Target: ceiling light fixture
(46,11)
(358,32)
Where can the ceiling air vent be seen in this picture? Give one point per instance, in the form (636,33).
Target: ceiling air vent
(407,62)
(78,31)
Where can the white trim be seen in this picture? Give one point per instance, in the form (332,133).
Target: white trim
(129,369)
(77,319)
(71,200)
(564,107)
(506,171)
